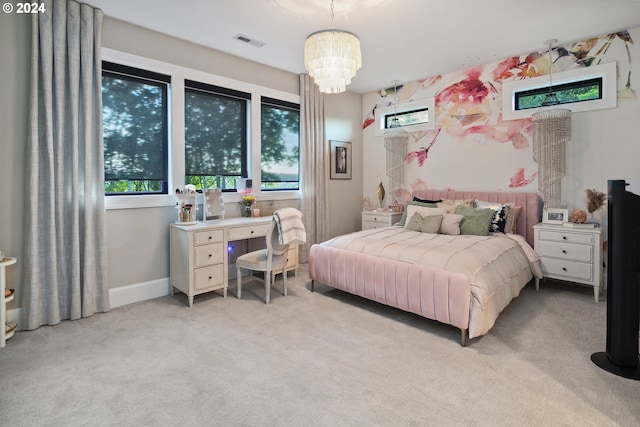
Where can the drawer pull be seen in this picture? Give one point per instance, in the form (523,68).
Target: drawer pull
(210,277)
(564,268)
(210,237)
(210,255)
(564,237)
(251,231)
(564,252)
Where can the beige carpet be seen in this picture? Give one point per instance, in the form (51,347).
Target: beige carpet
(315,359)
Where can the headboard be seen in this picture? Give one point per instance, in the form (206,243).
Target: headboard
(530,203)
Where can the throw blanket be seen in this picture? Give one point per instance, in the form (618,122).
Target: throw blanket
(290,226)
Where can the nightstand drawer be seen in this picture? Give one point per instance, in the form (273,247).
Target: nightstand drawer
(379,219)
(564,251)
(559,236)
(209,255)
(569,270)
(206,237)
(208,277)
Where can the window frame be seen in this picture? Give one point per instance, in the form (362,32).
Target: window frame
(605,71)
(226,93)
(407,107)
(163,81)
(178,75)
(273,102)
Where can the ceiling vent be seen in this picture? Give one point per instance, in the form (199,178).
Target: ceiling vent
(249,40)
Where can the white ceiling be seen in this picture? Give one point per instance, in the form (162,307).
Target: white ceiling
(401,40)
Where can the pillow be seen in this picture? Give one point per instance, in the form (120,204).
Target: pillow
(516,214)
(450,224)
(502,221)
(423,211)
(412,203)
(452,204)
(415,223)
(417,199)
(476,221)
(431,224)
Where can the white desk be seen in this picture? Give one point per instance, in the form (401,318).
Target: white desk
(199,257)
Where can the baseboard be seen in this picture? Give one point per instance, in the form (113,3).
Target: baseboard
(137,292)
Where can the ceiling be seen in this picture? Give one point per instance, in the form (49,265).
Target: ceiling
(402,40)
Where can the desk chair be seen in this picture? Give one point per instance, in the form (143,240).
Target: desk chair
(271,260)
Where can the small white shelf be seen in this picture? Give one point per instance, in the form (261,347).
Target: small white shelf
(5,262)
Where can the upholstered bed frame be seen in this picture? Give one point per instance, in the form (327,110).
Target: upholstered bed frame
(429,292)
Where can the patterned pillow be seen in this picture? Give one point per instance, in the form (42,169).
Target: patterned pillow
(451,204)
(450,224)
(503,218)
(476,221)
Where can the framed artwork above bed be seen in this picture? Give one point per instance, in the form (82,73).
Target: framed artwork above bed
(340,160)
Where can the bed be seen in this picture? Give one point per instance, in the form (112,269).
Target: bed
(464,281)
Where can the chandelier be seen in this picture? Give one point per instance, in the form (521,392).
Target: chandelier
(551,132)
(332,58)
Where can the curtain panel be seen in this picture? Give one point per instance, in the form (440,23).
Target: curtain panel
(65,261)
(314,155)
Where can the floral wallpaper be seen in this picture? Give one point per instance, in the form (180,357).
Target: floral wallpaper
(468,109)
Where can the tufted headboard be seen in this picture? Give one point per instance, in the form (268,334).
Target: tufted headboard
(530,203)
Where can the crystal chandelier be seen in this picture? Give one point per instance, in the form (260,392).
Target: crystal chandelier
(551,132)
(332,58)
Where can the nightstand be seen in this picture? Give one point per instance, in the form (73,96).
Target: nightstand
(378,219)
(570,254)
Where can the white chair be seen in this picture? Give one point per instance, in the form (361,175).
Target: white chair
(271,260)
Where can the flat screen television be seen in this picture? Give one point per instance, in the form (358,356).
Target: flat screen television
(623,283)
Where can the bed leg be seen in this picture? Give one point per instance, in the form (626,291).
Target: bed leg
(463,337)
(312,285)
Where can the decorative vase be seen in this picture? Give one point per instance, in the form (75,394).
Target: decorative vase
(247,211)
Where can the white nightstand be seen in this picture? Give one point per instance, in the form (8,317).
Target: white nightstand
(377,219)
(571,254)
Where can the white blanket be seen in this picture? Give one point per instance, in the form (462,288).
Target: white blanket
(290,226)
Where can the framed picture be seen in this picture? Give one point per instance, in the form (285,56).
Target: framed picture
(340,160)
(555,216)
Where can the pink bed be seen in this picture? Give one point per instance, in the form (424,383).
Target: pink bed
(432,291)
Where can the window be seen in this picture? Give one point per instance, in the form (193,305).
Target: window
(280,145)
(582,90)
(215,135)
(135,130)
(411,116)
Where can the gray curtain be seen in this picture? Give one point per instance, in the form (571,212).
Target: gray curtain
(64,209)
(315,164)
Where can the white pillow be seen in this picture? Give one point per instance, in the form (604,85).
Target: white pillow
(451,224)
(422,211)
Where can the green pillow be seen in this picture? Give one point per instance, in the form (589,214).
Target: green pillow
(415,223)
(404,215)
(476,221)
(431,224)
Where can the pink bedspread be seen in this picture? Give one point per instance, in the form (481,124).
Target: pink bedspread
(465,281)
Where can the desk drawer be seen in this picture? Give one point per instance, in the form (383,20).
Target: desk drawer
(206,237)
(209,277)
(564,251)
(241,233)
(209,255)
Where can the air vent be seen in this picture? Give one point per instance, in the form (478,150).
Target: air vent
(249,40)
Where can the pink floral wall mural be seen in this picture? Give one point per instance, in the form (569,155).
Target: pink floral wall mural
(468,106)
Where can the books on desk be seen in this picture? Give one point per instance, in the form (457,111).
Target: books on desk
(581,225)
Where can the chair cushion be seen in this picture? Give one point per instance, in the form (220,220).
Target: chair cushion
(257,261)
